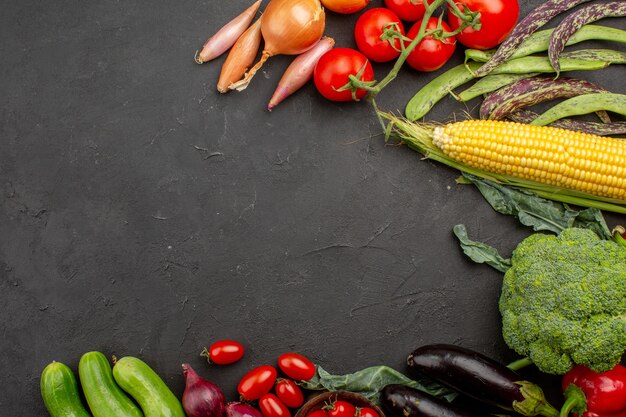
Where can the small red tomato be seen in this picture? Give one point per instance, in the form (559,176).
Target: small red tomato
(497,20)
(345,6)
(296,366)
(430,54)
(318,413)
(224,352)
(271,406)
(368,30)
(409,10)
(341,408)
(333,69)
(366,412)
(257,382)
(289,393)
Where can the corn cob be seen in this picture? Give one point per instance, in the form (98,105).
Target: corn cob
(558,164)
(558,157)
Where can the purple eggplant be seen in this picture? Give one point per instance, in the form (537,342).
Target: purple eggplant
(403,401)
(533,21)
(572,23)
(480,378)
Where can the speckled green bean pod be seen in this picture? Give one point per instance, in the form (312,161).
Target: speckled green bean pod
(491,82)
(584,104)
(531,91)
(594,128)
(609,56)
(533,21)
(572,23)
(540,41)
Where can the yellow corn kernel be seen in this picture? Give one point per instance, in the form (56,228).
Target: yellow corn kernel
(558,157)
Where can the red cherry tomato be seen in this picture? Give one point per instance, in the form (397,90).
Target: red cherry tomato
(430,54)
(296,366)
(318,413)
(409,10)
(289,393)
(497,18)
(271,406)
(224,352)
(332,70)
(341,408)
(368,29)
(366,412)
(257,382)
(345,6)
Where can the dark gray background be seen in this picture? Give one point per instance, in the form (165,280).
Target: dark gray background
(121,233)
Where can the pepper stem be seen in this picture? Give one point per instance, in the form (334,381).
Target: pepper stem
(575,400)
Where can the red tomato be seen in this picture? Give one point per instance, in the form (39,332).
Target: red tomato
(318,413)
(368,29)
(289,393)
(341,408)
(257,382)
(409,10)
(332,70)
(430,54)
(345,6)
(497,18)
(296,366)
(271,406)
(224,352)
(366,412)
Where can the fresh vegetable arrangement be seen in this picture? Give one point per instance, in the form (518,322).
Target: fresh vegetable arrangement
(563,298)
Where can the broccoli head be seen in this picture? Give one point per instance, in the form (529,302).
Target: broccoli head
(563,301)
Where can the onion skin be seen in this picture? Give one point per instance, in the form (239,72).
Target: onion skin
(289,27)
(237,409)
(300,71)
(201,398)
(226,37)
(345,6)
(240,58)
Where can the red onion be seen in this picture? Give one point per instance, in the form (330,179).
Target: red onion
(237,409)
(201,398)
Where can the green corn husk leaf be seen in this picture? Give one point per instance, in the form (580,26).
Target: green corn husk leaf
(418,136)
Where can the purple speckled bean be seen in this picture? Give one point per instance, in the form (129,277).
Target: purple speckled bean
(533,21)
(531,91)
(600,129)
(572,23)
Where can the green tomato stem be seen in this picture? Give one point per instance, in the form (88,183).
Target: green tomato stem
(469,20)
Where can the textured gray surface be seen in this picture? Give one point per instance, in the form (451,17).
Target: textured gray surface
(122,233)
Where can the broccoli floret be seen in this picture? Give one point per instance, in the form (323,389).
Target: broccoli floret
(563,301)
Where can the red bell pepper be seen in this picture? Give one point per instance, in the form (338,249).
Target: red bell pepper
(593,394)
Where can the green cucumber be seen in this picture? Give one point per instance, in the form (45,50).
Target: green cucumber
(59,391)
(104,397)
(147,388)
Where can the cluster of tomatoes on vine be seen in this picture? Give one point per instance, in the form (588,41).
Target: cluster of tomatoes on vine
(380,37)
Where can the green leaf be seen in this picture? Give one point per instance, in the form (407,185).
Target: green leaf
(537,212)
(480,253)
(369,381)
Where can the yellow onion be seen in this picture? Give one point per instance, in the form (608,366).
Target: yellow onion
(289,27)
(241,57)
